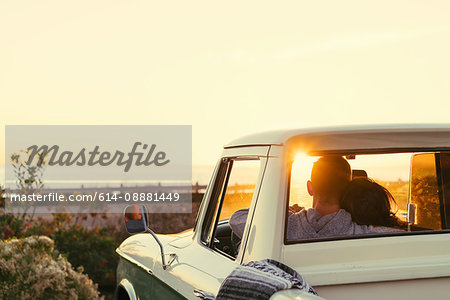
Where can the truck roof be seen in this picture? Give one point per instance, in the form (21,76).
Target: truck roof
(367,137)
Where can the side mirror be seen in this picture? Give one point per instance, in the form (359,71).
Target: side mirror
(136,219)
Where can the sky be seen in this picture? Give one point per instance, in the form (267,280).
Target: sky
(226,68)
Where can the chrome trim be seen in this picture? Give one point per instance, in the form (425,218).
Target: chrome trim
(172,256)
(204,295)
(128,287)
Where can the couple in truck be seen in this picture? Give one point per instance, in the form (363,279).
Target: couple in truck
(341,206)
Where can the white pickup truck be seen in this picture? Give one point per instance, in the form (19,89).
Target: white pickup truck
(266,173)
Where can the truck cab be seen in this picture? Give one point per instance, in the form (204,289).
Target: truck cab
(266,174)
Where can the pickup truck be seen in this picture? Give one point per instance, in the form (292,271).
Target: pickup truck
(266,173)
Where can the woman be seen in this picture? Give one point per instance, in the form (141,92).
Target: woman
(370,204)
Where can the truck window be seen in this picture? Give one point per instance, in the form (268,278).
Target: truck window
(425,191)
(414,185)
(236,192)
(240,188)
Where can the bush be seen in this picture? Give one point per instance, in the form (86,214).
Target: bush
(2,197)
(31,269)
(90,240)
(10,226)
(93,249)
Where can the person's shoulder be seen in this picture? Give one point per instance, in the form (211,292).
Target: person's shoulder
(310,212)
(300,214)
(294,227)
(360,229)
(343,213)
(382,229)
(238,217)
(240,213)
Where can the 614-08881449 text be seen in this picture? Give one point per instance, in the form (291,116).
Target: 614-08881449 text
(150,197)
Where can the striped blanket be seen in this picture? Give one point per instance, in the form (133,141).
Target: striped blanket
(260,280)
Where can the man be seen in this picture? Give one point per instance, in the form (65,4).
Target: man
(330,176)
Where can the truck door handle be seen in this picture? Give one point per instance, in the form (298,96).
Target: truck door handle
(204,295)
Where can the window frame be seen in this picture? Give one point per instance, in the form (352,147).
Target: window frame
(344,153)
(213,211)
(210,208)
(443,175)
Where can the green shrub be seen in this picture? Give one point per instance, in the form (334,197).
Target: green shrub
(90,240)
(31,269)
(10,226)
(92,249)
(2,197)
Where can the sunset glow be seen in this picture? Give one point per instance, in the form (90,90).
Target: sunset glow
(312,64)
